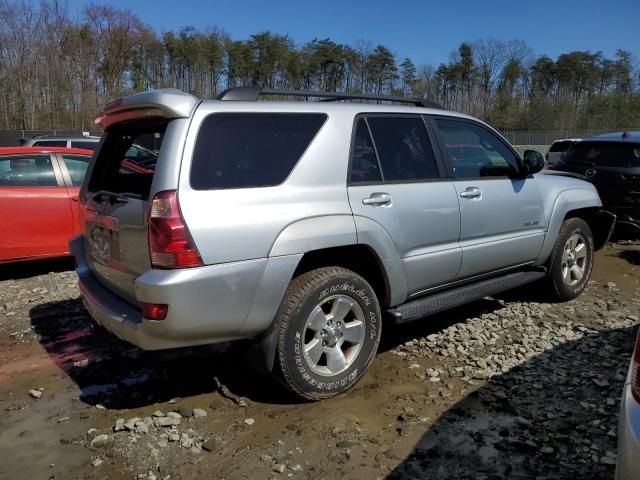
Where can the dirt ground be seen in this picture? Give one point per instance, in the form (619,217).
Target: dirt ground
(507,387)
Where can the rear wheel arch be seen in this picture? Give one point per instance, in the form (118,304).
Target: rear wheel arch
(599,221)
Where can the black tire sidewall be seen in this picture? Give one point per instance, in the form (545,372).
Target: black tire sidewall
(304,380)
(569,228)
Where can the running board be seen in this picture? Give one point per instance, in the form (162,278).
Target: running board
(438,302)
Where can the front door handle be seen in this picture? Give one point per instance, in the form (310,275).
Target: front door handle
(471,192)
(377,199)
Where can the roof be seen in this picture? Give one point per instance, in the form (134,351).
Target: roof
(567,140)
(68,137)
(20,150)
(633,137)
(172,103)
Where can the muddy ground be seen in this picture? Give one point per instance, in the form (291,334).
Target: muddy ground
(508,387)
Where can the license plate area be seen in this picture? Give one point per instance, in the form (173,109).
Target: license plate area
(105,239)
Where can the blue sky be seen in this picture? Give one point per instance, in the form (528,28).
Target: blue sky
(426,31)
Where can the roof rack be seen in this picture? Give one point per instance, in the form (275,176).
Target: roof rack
(249,94)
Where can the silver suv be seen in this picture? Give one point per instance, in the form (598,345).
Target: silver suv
(304,226)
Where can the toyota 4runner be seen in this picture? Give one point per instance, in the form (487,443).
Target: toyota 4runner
(304,226)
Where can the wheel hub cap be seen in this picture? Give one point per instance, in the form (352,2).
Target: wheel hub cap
(333,335)
(574,259)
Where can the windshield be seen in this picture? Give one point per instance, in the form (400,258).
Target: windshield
(605,154)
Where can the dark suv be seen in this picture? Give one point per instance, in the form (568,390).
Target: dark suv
(612,163)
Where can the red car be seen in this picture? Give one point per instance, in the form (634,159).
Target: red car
(38,199)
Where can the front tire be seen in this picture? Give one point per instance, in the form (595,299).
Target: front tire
(329,331)
(571,260)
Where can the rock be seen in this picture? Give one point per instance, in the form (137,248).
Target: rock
(198,412)
(600,382)
(266,458)
(611,285)
(35,393)
(99,441)
(131,423)
(63,419)
(547,450)
(209,445)
(175,415)
(168,421)
(279,467)
(119,425)
(100,406)
(346,444)
(163,443)
(414,365)
(173,436)
(157,414)
(97,462)
(608,460)
(249,421)
(186,441)
(185,411)
(296,468)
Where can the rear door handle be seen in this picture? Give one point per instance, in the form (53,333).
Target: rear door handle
(377,199)
(471,192)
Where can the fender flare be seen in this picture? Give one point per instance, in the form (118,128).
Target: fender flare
(566,202)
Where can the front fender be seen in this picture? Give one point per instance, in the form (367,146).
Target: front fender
(566,201)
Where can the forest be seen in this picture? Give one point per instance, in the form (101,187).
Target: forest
(58,69)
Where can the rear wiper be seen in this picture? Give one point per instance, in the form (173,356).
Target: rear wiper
(113,198)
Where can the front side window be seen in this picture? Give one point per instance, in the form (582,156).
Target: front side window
(403,148)
(243,150)
(475,152)
(77,167)
(27,171)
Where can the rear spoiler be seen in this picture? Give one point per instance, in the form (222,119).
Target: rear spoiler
(163,103)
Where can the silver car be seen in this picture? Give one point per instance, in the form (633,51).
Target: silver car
(628,467)
(305,226)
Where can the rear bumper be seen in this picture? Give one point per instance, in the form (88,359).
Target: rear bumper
(208,304)
(628,467)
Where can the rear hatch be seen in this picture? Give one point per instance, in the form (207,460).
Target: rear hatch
(115,204)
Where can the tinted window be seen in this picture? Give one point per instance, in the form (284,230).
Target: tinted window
(77,167)
(561,146)
(141,156)
(476,152)
(240,150)
(27,171)
(403,148)
(605,154)
(50,143)
(364,163)
(84,145)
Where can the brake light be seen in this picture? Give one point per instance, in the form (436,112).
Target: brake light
(155,311)
(170,243)
(635,370)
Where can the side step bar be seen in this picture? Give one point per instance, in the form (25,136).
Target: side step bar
(438,302)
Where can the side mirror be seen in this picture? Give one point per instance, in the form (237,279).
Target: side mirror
(533,162)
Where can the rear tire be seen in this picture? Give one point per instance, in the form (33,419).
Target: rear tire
(329,331)
(571,260)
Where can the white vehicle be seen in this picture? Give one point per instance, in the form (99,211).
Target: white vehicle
(558,149)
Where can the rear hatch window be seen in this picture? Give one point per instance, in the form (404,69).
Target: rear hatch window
(121,165)
(242,150)
(561,146)
(604,154)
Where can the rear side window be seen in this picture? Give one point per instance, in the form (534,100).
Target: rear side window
(84,145)
(50,143)
(364,163)
(27,171)
(403,148)
(77,167)
(242,150)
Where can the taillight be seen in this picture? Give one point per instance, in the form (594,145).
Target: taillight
(635,370)
(170,244)
(155,311)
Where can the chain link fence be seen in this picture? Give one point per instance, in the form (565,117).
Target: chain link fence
(547,137)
